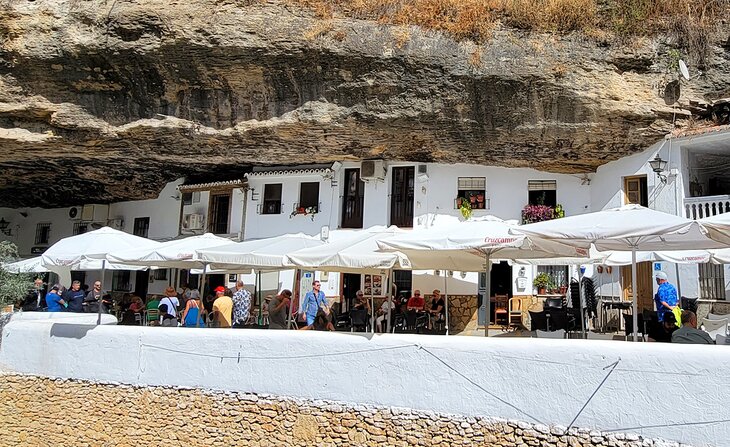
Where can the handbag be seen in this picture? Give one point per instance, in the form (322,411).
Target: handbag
(677,311)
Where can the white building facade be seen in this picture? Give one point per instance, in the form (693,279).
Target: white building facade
(270,201)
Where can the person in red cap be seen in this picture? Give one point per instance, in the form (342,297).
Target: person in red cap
(222,308)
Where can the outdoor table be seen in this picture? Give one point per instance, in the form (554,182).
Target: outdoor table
(622,306)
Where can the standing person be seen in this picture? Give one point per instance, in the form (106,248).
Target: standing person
(313,301)
(170,299)
(54,301)
(93,299)
(193,315)
(74,297)
(689,334)
(241,305)
(277,309)
(222,308)
(666,295)
(32,300)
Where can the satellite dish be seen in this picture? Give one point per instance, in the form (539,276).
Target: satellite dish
(683,69)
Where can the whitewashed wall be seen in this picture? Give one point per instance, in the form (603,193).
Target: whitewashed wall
(547,381)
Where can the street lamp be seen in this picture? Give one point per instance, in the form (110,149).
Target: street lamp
(659,166)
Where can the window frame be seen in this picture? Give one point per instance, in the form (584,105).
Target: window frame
(542,186)
(42,233)
(467,187)
(269,205)
(315,205)
(143,229)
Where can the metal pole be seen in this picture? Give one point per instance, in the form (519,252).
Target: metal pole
(99,303)
(261,301)
(634,306)
(291,300)
(446,300)
(679,285)
(488,294)
(201,290)
(392,299)
(581,298)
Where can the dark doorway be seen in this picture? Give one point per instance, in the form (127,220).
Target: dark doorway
(401,197)
(352,199)
(501,284)
(403,281)
(351,283)
(220,205)
(77,276)
(213,281)
(141,283)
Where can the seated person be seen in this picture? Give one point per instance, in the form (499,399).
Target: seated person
(154,303)
(166,319)
(416,302)
(689,333)
(436,312)
(321,323)
(383,313)
(661,331)
(361,302)
(136,306)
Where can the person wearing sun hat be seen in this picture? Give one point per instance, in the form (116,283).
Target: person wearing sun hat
(222,308)
(666,296)
(170,299)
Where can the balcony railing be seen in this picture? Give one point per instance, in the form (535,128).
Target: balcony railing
(699,207)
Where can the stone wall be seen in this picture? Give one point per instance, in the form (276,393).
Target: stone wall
(53,412)
(462,309)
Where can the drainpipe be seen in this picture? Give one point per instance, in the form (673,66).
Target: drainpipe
(244,207)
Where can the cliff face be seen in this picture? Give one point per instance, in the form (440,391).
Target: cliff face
(105,100)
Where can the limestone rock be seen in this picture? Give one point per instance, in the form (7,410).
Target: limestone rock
(104,101)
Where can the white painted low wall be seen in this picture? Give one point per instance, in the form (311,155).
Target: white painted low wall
(64,317)
(653,391)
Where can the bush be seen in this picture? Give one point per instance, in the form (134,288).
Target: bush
(13,287)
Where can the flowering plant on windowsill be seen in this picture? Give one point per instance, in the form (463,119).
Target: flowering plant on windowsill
(304,211)
(539,213)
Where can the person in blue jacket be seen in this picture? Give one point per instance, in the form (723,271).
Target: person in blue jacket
(74,297)
(666,296)
(313,301)
(54,301)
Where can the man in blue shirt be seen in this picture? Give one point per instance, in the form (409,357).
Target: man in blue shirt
(666,295)
(54,301)
(313,300)
(75,297)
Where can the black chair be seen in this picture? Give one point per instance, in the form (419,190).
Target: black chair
(342,321)
(629,325)
(689,304)
(399,323)
(359,318)
(415,321)
(558,319)
(538,321)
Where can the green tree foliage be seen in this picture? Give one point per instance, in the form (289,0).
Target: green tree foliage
(13,287)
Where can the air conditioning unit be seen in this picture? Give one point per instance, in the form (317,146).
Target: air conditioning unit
(117,224)
(95,213)
(74,213)
(372,170)
(193,222)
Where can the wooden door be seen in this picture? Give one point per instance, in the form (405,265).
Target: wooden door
(645,291)
(352,199)
(401,197)
(635,190)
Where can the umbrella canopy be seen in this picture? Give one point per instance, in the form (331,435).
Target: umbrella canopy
(463,246)
(353,251)
(92,245)
(179,253)
(628,228)
(35,265)
(259,254)
(676,257)
(622,228)
(717,227)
